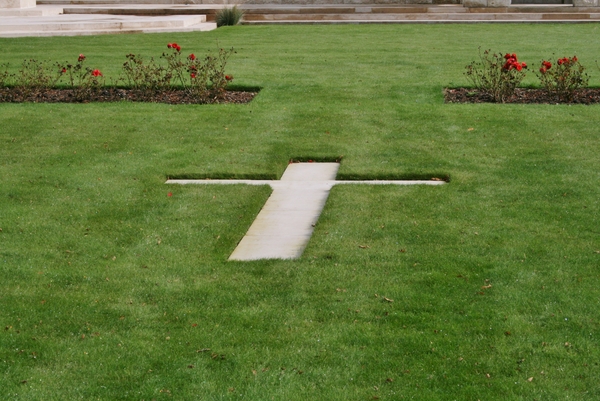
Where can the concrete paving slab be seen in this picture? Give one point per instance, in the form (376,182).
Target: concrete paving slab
(270,247)
(282,201)
(310,172)
(392,182)
(276,223)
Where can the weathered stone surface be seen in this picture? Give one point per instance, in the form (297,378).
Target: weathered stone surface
(486,3)
(475,3)
(17,4)
(586,3)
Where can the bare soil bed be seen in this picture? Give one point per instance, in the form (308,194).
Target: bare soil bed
(19,95)
(523,96)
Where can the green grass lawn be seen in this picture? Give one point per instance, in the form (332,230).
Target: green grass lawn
(110,289)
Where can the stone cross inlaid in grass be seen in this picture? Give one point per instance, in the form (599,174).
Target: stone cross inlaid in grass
(284,225)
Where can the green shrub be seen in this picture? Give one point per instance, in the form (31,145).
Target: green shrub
(229,16)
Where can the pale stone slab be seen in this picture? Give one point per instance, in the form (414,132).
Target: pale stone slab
(274,222)
(27,14)
(95,22)
(16,24)
(17,3)
(280,200)
(253,247)
(310,172)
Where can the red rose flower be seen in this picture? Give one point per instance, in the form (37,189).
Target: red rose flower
(524,65)
(170,194)
(193,75)
(547,65)
(510,58)
(96,73)
(543,70)
(81,58)
(518,66)
(574,59)
(192,57)
(63,70)
(169,45)
(228,77)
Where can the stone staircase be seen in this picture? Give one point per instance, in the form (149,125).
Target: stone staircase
(393,14)
(51,19)
(353,13)
(88,24)
(90,17)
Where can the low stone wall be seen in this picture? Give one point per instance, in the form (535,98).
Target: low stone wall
(265,2)
(507,3)
(466,3)
(314,2)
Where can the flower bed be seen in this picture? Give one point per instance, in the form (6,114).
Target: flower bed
(522,96)
(108,94)
(184,80)
(496,78)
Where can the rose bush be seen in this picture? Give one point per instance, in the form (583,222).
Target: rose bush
(496,75)
(204,78)
(562,79)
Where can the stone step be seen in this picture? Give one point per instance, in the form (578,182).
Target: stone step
(75,25)
(308,13)
(145,10)
(31,12)
(413,21)
(172,9)
(266,18)
(205,26)
(424,21)
(249,2)
(79,22)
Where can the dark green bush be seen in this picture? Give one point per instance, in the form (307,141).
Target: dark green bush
(229,16)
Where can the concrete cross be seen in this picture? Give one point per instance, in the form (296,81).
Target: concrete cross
(285,224)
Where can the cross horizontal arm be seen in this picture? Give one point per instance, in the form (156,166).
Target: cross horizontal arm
(210,181)
(325,183)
